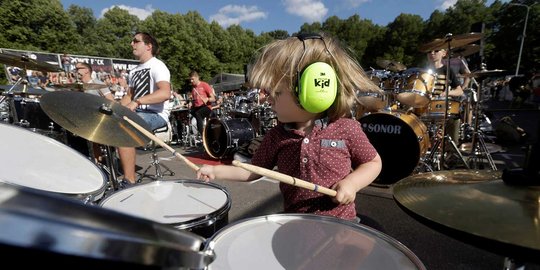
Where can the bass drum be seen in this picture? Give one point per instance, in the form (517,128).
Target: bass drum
(306,241)
(222,137)
(401,139)
(195,206)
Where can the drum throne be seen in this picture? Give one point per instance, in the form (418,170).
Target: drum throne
(161,169)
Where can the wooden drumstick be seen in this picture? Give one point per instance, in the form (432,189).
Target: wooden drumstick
(284,178)
(162,143)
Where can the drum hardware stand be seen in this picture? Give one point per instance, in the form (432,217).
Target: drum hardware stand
(478,144)
(160,172)
(113,179)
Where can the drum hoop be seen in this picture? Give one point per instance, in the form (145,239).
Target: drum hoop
(211,242)
(205,219)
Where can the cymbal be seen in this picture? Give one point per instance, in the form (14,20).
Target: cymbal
(477,203)
(391,65)
(454,42)
(94,118)
(22,90)
(25,62)
(483,73)
(80,86)
(466,50)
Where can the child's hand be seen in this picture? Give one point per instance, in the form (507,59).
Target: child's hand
(206,173)
(346,192)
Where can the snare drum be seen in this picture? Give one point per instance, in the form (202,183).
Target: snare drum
(305,241)
(416,89)
(196,206)
(436,108)
(39,162)
(400,139)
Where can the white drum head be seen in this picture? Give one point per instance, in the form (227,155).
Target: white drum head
(307,242)
(169,202)
(32,160)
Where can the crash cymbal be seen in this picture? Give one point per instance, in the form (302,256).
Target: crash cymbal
(94,118)
(26,62)
(21,89)
(483,73)
(80,86)
(466,50)
(391,65)
(454,42)
(477,203)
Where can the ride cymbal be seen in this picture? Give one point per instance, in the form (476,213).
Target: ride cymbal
(483,73)
(94,118)
(391,65)
(466,50)
(452,41)
(80,86)
(477,203)
(25,62)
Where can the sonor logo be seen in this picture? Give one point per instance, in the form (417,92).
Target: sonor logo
(379,128)
(322,82)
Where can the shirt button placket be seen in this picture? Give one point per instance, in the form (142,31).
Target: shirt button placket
(305,160)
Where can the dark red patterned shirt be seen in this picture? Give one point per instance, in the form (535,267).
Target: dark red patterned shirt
(323,157)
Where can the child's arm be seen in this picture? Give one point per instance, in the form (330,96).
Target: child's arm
(225,172)
(359,178)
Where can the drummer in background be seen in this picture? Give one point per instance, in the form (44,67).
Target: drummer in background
(316,140)
(203,96)
(84,75)
(149,91)
(455,92)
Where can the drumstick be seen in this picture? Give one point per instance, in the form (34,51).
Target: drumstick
(162,143)
(284,178)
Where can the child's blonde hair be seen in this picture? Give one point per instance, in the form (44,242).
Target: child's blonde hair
(277,63)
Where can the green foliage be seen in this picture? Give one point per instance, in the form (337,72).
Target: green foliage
(189,42)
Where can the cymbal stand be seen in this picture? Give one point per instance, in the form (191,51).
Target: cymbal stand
(478,144)
(445,136)
(108,155)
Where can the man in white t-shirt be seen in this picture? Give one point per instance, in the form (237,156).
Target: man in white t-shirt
(149,91)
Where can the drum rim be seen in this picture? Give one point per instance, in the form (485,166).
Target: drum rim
(208,219)
(99,191)
(211,242)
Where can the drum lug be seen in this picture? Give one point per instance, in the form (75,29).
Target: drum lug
(88,199)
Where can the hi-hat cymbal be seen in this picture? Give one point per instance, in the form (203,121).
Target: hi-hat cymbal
(466,50)
(391,65)
(21,89)
(483,73)
(80,86)
(477,203)
(452,41)
(25,62)
(94,118)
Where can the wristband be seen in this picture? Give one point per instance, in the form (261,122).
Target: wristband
(138,102)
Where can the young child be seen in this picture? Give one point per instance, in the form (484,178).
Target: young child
(311,84)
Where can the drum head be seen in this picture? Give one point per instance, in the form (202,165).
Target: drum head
(58,231)
(179,203)
(396,142)
(39,162)
(302,241)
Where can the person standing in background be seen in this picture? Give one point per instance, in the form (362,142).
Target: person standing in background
(203,96)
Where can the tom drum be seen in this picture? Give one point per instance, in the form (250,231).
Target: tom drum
(32,160)
(304,241)
(222,136)
(416,89)
(195,206)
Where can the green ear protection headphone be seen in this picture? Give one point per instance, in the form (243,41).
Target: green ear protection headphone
(316,88)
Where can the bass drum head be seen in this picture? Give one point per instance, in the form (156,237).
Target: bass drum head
(305,241)
(222,136)
(400,139)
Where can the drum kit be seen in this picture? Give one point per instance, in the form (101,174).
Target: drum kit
(412,109)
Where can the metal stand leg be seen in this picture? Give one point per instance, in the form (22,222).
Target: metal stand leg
(157,165)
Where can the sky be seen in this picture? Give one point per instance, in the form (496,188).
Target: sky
(268,15)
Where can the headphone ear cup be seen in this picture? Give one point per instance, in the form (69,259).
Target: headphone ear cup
(317,87)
